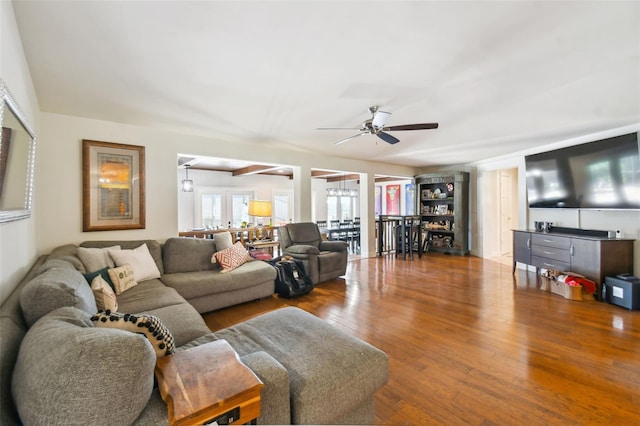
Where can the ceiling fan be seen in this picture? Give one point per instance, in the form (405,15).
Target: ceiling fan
(376,126)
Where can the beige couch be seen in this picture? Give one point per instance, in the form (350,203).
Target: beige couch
(56,367)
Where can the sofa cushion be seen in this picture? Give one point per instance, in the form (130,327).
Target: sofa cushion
(11,334)
(68,252)
(148,295)
(196,284)
(149,326)
(104,294)
(155,249)
(188,254)
(54,264)
(53,289)
(142,264)
(232,257)
(182,320)
(223,240)
(89,376)
(123,278)
(96,258)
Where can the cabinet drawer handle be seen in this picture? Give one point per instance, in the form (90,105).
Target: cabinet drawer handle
(529,243)
(550,265)
(548,252)
(548,241)
(571,250)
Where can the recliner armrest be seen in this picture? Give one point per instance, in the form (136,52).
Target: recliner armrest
(302,249)
(333,246)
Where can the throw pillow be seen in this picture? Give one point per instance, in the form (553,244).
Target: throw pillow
(96,258)
(147,325)
(223,240)
(105,297)
(123,278)
(53,289)
(143,266)
(232,257)
(104,273)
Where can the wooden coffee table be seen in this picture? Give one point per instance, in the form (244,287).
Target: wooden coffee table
(208,383)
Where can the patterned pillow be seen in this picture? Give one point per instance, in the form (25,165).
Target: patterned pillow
(232,257)
(105,297)
(148,325)
(122,278)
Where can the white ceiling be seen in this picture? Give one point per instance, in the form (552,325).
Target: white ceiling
(499,77)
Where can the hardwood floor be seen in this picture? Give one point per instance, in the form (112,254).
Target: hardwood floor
(470,344)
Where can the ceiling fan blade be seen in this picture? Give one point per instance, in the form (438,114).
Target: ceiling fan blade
(421,126)
(388,138)
(351,137)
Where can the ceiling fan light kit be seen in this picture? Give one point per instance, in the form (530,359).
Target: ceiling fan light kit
(376,125)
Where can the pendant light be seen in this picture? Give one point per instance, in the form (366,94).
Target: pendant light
(187,184)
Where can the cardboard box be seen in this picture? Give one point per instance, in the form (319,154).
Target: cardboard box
(623,293)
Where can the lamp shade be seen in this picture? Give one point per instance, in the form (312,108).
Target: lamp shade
(260,208)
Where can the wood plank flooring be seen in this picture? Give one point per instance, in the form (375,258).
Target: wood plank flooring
(469,343)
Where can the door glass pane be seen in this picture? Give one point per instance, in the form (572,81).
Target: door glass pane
(211,210)
(281,208)
(239,209)
(332,209)
(345,208)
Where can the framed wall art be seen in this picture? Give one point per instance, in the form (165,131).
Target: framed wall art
(393,199)
(113,186)
(409,198)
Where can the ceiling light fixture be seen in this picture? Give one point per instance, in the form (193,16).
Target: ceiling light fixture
(342,191)
(187,184)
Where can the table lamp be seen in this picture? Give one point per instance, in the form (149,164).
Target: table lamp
(260,209)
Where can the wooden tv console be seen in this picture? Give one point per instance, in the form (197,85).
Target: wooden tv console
(593,256)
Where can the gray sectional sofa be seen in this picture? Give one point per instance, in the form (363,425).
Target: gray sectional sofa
(57,367)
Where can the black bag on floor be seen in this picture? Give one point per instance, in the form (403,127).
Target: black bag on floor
(292,280)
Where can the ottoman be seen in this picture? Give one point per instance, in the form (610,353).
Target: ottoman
(332,376)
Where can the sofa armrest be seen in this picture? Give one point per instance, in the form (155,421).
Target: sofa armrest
(302,249)
(275,404)
(333,246)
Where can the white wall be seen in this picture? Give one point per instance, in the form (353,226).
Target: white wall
(628,221)
(59,178)
(17,239)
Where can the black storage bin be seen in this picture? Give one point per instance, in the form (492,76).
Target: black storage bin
(625,293)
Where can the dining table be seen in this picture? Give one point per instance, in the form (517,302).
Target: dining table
(333,234)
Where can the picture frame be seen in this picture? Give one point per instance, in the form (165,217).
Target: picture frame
(113,186)
(409,198)
(441,209)
(393,199)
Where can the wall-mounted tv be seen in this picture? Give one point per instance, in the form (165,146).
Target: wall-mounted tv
(604,174)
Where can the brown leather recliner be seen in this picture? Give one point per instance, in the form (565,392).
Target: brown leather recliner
(323,260)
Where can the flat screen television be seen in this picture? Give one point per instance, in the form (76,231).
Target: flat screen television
(604,174)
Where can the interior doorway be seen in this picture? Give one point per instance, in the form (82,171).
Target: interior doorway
(501,214)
